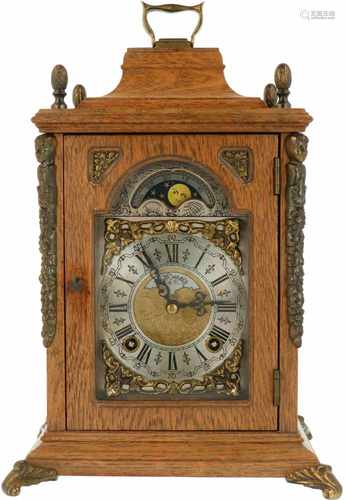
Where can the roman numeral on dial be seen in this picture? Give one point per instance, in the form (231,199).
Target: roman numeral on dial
(227,306)
(200,259)
(172,251)
(118,308)
(172,361)
(123,332)
(219,280)
(201,354)
(220,334)
(144,354)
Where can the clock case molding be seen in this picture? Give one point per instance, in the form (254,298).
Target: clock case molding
(164,91)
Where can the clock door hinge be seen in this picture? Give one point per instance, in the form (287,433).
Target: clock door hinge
(276,175)
(276,387)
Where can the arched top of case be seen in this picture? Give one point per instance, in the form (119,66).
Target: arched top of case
(167,89)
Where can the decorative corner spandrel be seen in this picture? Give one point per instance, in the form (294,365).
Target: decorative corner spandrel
(120,233)
(119,380)
(239,161)
(101,161)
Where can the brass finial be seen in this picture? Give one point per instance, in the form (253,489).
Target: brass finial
(282,78)
(79,94)
(59,84)
(271,95)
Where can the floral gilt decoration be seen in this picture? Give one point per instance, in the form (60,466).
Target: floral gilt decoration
(240,162)
(101,161)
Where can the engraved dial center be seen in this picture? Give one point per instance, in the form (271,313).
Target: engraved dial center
(168,324)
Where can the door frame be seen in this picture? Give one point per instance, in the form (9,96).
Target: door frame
(84,412)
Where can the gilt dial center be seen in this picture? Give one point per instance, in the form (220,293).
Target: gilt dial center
(171,324)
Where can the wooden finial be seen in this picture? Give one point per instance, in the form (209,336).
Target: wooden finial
(59,84)
(79,94)
(271,95)
(282,78)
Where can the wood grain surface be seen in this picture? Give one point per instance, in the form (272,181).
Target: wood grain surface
(181,93)
(171,73)
(173,454)
(172,116)
(288,352)
(56,394)
(167,90)
(81,201)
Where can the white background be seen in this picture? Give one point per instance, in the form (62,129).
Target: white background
(90,39)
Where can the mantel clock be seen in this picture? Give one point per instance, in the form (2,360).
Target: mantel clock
(172,215)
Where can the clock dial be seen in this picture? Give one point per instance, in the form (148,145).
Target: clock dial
(173,307)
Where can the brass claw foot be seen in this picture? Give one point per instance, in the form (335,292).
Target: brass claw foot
(25,474)
(319,477)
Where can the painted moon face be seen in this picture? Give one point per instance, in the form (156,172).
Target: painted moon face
(178,194)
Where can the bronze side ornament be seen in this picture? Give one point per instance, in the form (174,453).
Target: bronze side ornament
(296,146)
(45,146)
(305,427)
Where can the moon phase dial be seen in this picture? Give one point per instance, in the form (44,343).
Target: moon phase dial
(178,194)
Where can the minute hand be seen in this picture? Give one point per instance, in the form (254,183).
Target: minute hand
(163,288)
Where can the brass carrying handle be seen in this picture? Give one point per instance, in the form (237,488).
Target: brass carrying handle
(172,8)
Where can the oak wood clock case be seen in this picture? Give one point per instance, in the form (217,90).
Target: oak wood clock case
(172,156)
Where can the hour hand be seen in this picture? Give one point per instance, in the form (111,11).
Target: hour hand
(199,303)
(222,305)
(163,289)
